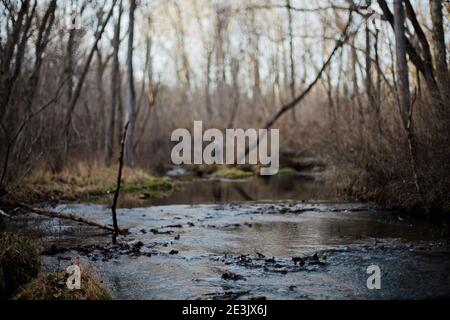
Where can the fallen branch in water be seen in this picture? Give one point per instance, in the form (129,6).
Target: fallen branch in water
(68,216)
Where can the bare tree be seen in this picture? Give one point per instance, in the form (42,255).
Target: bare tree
(235,66)
(404,94)
(369,81)
(115,88)
(42,40)
(254,39)
(440,54)
(401,61)
(79,86)
(131,94)
(208,52)
(291,53)
(423,64)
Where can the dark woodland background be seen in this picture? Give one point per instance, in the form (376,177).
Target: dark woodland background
(363,84)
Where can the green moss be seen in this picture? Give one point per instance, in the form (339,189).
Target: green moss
(232,173)
(150,187)
(91,187)
(287,171)
(19,262)
(52,286)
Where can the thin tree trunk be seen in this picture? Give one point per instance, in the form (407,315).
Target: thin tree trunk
(369,82)
(235,66)
(208,51)
(131,94)
(287,107)
(119,180)
(404,94)
(115,88)
(208,83)
(401,62)
(357,105)
(424,66)
(80,83)
(101,65)
(294,102)
(440,54)
(291,54)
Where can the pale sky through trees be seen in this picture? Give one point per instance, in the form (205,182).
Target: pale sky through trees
(271,25)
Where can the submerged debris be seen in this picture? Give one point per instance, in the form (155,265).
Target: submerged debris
(232,276)
(227,295)
(275,265)
(260,255)
(173,226)
(103,252)
(156,231)
(300,260)
(258,298)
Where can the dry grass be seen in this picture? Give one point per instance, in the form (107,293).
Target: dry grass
(373,160)
(19,262)
(83,181)
(52,286)
(231,173)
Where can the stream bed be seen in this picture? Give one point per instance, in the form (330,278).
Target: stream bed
(290,248)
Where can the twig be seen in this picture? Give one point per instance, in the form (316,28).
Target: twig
(116,193)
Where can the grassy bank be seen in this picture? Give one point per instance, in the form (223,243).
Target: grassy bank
(52,286)
(231,173)
(19,263)
(87,182)
(21,276)
(396,190)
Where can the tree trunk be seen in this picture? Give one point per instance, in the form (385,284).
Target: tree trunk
(401,62)
(208,84)
(131,94)
(80,83)
(101,65)
(403,89)
(115,88)
(440,54)
(235,66)
(369,82)
(291,54)
(423,64)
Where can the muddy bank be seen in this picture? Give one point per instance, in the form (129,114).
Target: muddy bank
(280,251)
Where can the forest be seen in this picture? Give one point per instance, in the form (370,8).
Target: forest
(91,91)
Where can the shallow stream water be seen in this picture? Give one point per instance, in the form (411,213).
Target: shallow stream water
(253,238)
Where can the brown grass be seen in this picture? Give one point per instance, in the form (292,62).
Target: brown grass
(52,286)
(19,262)
(87,181)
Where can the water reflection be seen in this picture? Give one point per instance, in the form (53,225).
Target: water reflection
(210,191)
